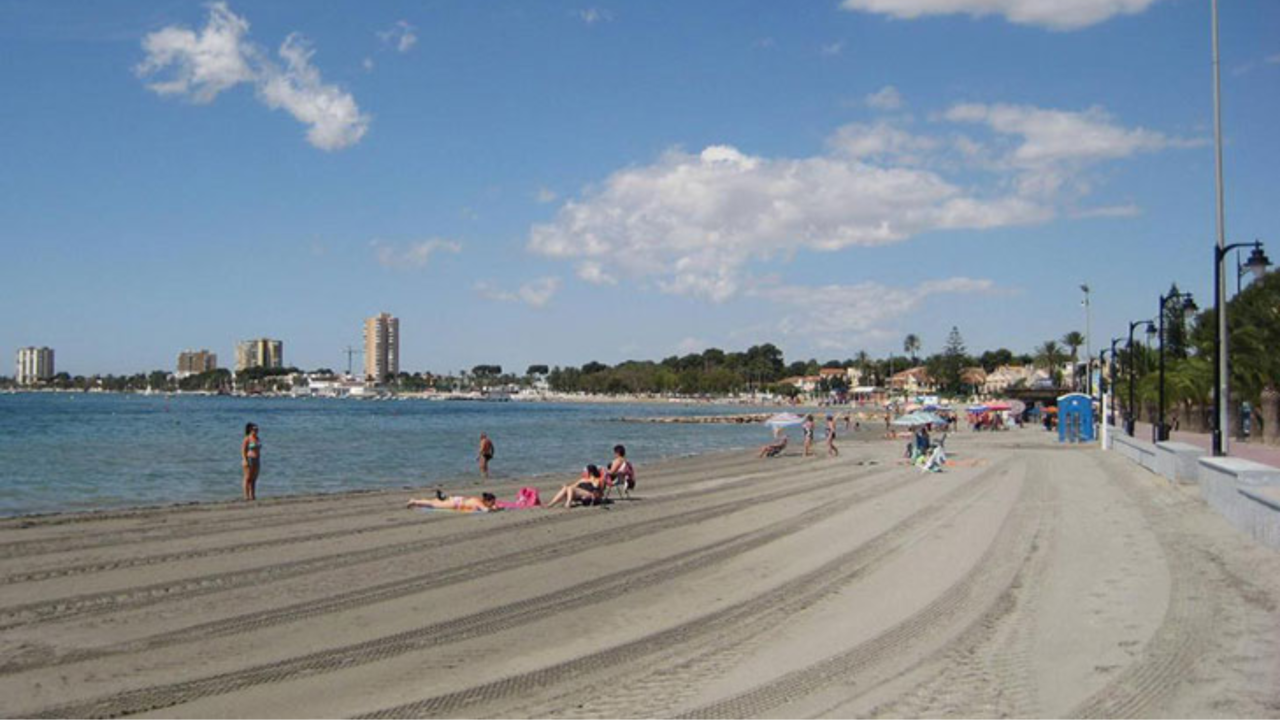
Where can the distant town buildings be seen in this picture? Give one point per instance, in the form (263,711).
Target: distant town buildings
(262,352)
(195,362)
(381,347)
(34,364)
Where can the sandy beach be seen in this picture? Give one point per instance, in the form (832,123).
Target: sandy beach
(1030,579)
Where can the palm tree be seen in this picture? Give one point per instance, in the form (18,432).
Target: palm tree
(1073,340)
(1050,357)
(911,346)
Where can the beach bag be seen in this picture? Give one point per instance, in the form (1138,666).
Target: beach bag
(528,497)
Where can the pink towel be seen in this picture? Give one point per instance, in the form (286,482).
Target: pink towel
(526,498)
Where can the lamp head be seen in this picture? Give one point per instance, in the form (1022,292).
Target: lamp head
(1258,262)
(1151,329)
(1189,303)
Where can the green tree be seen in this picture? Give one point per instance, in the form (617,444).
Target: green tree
(911,346)
(1050,356)
(537,370)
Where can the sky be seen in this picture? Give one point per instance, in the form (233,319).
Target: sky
(561,182)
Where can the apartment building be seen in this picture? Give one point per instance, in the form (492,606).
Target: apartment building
(381,348)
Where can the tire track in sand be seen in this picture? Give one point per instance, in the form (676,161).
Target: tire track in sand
(978,591)
(827,578)
(490,621)
(383,592)
(145,595)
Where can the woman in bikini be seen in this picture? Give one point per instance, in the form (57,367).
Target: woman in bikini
(807,427)
(251,454)
(588,489)
(486,502)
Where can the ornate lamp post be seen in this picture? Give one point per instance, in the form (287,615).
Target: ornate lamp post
(1188,305)
(1111,380)
(1130,415)
(1256,264)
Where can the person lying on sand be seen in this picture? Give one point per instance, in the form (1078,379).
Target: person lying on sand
(487,502)
(588,489)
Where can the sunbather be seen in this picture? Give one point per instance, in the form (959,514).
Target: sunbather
(621,473)
(588,489)
(774,448)
(486,502)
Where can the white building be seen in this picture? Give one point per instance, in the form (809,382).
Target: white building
(34,364)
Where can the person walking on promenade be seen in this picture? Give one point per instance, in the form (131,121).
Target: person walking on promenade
(251,454)
(485,454)
(807,426)
(832,450)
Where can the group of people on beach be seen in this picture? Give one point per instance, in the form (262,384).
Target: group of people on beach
(779,443)
(589,489)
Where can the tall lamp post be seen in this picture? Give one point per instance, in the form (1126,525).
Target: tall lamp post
(1188,305)
(1256,264)
(1111,380)
(1088,341)
(1130,416)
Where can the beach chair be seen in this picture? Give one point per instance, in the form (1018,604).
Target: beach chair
(621,482)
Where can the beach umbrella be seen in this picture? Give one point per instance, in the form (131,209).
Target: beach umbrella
(782,420)
(978,408)
(1017,406)
(910,419)
(1001,405)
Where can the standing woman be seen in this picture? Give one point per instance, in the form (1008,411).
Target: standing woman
(251,452)
(832,450)
(807,427)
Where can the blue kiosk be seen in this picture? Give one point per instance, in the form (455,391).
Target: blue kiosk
(1075,418)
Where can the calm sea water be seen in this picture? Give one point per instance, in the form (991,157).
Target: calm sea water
(64,452)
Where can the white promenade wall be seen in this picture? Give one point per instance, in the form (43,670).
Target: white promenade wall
(1246,493)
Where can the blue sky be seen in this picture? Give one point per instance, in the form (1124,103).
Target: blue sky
(558,182)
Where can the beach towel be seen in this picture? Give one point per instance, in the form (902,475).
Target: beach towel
(527,497)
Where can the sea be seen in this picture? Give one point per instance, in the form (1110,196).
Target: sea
(66,452)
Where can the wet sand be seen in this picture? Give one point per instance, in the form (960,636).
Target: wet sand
(1028,580)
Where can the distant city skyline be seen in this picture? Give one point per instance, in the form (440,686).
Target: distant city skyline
(564,182)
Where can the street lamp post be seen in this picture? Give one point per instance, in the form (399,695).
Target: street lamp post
(1130,416)
(1111,380)
(1088,341)
(1256,264)
(1161,432)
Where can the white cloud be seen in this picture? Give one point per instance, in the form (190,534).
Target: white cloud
(334,119)
(546,195)
(1110,211)
(882,141)
(535,293)
(854,315)
(205,63)
(831,49)
(697,224)
(413,255)
(765,43)
(367,64)
(1052,14)
(202,65)
(593,15)
(402,36)
(886,98)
